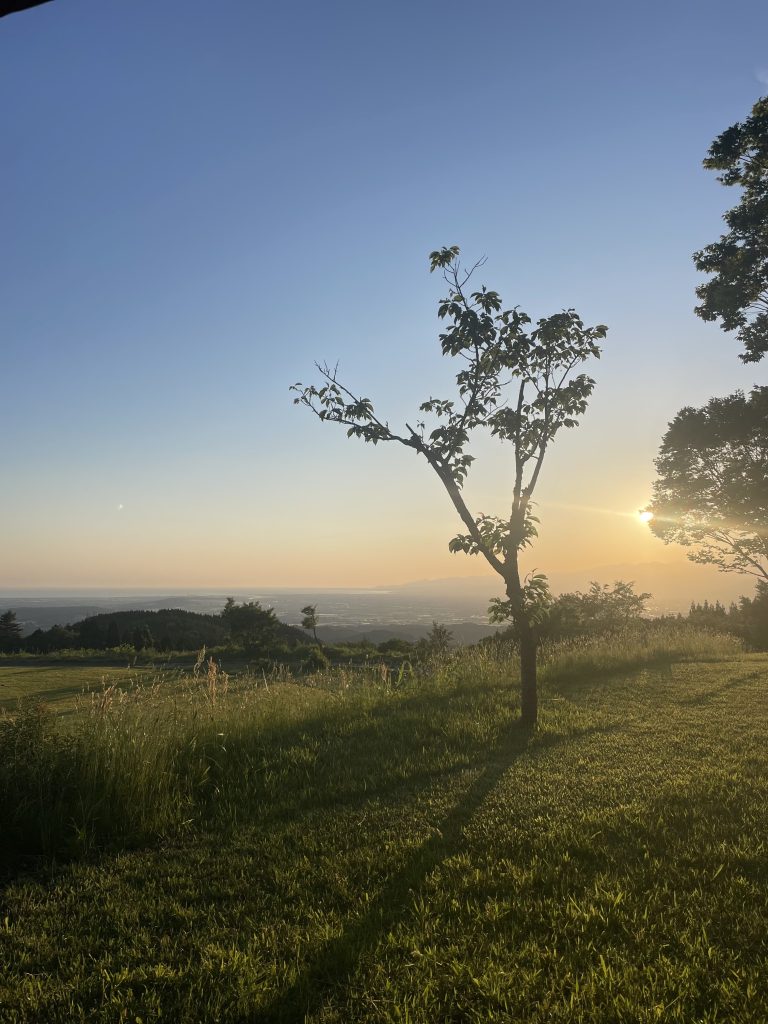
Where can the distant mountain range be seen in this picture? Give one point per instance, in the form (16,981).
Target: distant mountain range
(379,613)
(673,585)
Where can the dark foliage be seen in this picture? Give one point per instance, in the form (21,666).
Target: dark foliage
(748,619)
(166,629)
(737,293)
(169,629)
(10,632)
(712,491)
(256,629)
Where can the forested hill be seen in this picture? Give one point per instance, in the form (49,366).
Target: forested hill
(165,629)
(169,628)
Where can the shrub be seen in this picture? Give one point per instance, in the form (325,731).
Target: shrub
(316,661)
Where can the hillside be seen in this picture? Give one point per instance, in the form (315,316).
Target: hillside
(165,629)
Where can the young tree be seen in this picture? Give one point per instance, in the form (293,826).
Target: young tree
(517,383)
(436,643)
(737,294)
(712,491)
(309,621)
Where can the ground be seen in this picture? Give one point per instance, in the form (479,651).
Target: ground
(407,854)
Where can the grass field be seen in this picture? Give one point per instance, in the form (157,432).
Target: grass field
(351,851)
(59,684)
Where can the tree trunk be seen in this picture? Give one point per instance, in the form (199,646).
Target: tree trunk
(529,702)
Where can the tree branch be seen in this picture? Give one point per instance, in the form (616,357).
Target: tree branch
(446,478)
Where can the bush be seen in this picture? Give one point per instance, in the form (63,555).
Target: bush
(316,661)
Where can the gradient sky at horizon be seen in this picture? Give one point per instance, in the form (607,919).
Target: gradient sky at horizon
(202,199)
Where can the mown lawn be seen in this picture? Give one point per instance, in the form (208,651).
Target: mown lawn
(60,684)
(405,854)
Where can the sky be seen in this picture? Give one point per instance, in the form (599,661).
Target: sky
(201,200)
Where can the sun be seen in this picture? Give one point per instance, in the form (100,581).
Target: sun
(644,515)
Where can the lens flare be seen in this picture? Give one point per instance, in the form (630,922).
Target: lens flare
(644,515)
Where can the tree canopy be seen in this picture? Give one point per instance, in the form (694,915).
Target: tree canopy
(310,621)
(712,490)
(737,293)
(251,625)
(519,382)
(601,609)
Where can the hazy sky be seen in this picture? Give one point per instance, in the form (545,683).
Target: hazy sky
(200,199)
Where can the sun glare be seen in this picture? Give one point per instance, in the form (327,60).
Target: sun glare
(645,516)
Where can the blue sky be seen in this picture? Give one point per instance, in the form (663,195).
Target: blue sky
(199,200)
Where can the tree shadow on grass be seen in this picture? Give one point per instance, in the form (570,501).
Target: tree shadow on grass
(580,678)
(706,696)
(583,679)
(378,742)
(334,964)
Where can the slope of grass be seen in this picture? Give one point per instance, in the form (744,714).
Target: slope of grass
(359,852)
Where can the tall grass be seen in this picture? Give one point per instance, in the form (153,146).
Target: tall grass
(634,647)
(155,760)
